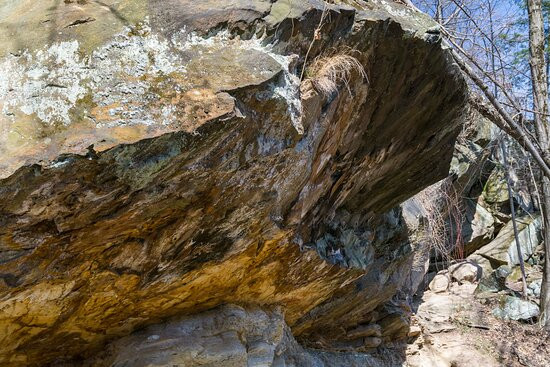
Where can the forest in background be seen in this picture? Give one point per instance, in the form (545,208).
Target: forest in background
(502,47)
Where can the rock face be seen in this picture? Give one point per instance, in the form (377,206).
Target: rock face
(480,227)
(162,158)
(471,168)
(503,249)
(225,336)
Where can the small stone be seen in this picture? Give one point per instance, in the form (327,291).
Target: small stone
(502,272)
(440,283)
(467,271)
(414,331)
(534,288)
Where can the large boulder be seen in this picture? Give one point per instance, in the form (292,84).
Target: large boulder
(478,228)
(503,249)
(513,308)
(229,336)
(162,158)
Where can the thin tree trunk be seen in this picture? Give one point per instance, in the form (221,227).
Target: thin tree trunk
(513,212)
(540,101)
(438,12)
(503,119)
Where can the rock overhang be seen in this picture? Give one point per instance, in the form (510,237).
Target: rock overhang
(152,228)
(137,85)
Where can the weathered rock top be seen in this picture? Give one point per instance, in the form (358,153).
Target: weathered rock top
(154,71)
(98,73)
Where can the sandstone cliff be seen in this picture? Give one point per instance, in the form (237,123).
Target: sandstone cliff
(163,158)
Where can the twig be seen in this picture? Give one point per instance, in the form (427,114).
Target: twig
(316,35)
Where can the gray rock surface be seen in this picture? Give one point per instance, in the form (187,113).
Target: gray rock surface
(503,250)
(228,336)
(479,228)
(496,281)
(514,308)
(440,283)
(534,288)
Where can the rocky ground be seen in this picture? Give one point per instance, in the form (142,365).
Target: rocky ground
(456,327)
(472,312)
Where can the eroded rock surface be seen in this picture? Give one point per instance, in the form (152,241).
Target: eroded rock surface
(503,249)
(215,176)
(225,336)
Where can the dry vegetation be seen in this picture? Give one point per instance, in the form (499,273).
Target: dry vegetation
(443,220)
(328,73)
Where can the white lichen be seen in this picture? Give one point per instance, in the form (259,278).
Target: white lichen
(49,82)
(290,89)
(118,77)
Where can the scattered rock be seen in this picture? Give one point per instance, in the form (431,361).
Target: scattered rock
(459,332)
(466,271)
(414,331)
(534,288)
(440,283)
(514,308)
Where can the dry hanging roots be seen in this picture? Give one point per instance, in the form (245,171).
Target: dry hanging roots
(327,73)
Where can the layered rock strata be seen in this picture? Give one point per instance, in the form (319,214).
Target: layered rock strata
(162,158)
